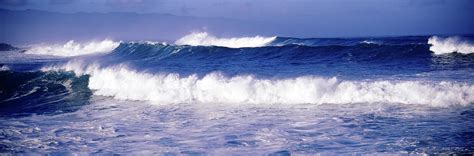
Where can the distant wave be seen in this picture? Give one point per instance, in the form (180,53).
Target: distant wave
(369,42)
(4,68)
(73,48)
(441,45)
(120,82)
(204,39)
(317,42)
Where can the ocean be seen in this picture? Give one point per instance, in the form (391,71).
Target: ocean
(205,95)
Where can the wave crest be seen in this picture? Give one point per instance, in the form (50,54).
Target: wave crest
(72,48)
(204,39)
(4,68)
(122,83)
(449,45)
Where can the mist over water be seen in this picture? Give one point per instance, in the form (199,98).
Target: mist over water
(205,94)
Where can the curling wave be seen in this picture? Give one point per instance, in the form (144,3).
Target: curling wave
(204,39)
(441,45)
(120,82)
(72,48)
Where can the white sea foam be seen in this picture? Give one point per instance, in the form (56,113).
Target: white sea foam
(449,45)
(4,68)
(369,42)
(204,39)
(122,83)
(73,48)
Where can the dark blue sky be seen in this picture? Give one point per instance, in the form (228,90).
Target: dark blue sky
(299,18)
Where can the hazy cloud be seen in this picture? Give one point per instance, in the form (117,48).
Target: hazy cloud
(14,2)
(423,3)
(60,2)
(130,2)
(185,10)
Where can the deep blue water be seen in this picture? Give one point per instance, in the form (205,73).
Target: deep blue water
(289,96)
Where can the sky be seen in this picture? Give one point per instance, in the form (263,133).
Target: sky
(297,18)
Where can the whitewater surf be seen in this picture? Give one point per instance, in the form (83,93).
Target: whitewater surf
(205,94)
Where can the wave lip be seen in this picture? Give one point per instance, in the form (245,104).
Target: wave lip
(204,39)
(120,82)
(449,45)
(72,48)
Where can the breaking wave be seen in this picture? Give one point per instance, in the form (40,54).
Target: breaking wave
(4,68)
(204,39)
(72,48)
(441,45)
(120,82)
